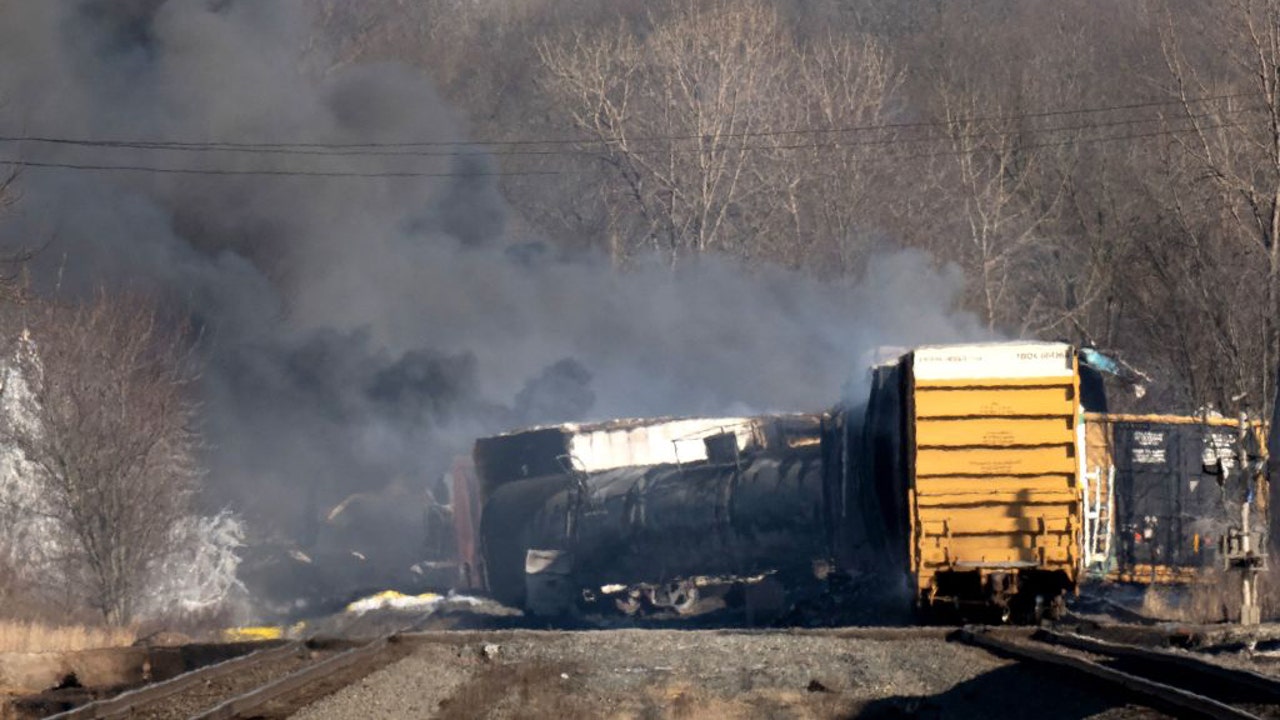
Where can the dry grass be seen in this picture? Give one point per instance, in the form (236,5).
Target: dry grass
(1215,598)
(39,637)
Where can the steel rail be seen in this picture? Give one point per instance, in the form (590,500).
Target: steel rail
(124,704)
(1239,678)
(259,697)
(1181,703)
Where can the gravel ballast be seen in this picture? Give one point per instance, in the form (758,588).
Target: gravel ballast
(721,674)
(206,695)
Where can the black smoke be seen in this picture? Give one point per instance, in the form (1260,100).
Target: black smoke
(358,332)
(563,391)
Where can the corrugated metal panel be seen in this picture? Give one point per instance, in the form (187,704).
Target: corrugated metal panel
(957,486)
(991,432)
(942,558)
(1033,519)
(995,402)
(1098,494)
(981,461)
(596,447)
(659,443)
(995,465)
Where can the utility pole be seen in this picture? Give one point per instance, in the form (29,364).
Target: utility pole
(1240,555)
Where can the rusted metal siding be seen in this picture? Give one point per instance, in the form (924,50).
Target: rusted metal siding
(465,496)
(993,460)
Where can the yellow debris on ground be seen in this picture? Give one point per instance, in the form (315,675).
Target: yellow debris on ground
(393,600)
(249,634)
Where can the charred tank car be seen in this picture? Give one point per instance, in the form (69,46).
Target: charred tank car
(693,514)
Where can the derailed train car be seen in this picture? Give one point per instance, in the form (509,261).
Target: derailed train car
(650,515)
(666,537)
(963,486)
(968,482)
(957,484)
(1170,499)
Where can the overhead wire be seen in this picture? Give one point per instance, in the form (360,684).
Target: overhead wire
(206,146)
(339,150)
(269,171)
(415,152)
(414,174)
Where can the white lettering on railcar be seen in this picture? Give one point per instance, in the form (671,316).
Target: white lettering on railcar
(1218,449)
(1147,438)
(1149,456)
(997,360)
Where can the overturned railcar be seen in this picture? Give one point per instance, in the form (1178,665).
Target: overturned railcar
(745,505)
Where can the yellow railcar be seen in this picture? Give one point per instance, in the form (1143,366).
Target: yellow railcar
(986,453)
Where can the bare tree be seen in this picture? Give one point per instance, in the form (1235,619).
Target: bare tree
(704,125)
(674,116)
(840,84)
(1223,60)
(1193,303)
(993,176)
(104,421)
(13,289)
(1011,188)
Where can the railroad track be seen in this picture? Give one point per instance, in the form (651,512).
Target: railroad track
(1178,683)
(260,684)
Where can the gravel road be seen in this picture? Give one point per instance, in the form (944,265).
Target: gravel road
(652,674)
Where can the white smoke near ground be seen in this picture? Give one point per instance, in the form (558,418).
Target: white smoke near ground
(359,331)
(201,577)
(33,543)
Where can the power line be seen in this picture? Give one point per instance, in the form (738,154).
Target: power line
(414,174)
(321,146)
(269,172)
(354,153)
(1084,141)
(1032,131)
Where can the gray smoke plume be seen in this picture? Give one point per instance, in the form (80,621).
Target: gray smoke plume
(359,331)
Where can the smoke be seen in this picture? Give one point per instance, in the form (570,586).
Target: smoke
(359,331)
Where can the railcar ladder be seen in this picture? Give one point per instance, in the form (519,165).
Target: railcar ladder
(1097,497)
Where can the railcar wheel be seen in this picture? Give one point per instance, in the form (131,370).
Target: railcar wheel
(1056,609)
(685,599)
(629,604)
